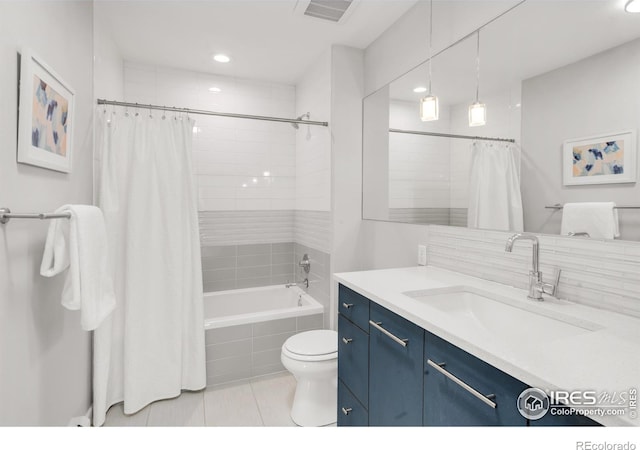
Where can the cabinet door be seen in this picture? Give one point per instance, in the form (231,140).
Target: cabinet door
(351,413)
(353,358)
(395,369)
(448,403)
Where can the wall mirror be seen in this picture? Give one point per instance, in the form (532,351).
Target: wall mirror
(554,76)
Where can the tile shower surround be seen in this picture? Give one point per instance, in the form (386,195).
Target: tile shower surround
(601,274)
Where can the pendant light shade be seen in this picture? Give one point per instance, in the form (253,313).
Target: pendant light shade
(477,110)
(429,105)
(429,108)
(477,114)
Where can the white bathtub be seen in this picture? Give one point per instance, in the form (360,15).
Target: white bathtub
(261,304)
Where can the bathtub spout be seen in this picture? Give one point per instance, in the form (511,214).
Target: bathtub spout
(305,282)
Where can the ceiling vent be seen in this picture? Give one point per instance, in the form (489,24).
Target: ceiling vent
(335,11)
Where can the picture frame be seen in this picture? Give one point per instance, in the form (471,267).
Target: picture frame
(600,159)
(45,116)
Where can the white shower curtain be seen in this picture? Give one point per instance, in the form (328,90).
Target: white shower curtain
(152,346)
(495,201)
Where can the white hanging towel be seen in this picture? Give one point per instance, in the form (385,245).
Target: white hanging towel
(599,219)
(80,244)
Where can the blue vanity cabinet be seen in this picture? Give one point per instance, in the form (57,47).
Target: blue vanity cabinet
(396,353)
(353,358)
(462,390)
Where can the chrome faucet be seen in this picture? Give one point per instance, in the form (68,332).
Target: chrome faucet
(536,286)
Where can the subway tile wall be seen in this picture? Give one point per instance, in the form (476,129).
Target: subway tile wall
(246,351)
(239,164)
(313,229)
(602,274)
(319,275)
(245,227)
(227,267)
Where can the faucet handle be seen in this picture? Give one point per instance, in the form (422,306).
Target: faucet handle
(550,289)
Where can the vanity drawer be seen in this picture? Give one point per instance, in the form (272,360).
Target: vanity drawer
(353,359)
(448,403)
(353,306)
(351,413)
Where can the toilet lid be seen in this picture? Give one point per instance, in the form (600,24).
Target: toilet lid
(316,342)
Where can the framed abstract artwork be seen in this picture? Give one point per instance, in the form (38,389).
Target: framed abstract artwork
(601,159)
(45,118)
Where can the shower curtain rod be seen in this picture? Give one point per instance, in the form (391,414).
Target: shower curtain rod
(211,113)
(457,136)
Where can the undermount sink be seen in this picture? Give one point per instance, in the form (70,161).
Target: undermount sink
(475,308)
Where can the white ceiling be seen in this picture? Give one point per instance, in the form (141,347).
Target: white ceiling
(264,38)
(536,37)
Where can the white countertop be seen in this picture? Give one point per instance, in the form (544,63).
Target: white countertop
(603,360)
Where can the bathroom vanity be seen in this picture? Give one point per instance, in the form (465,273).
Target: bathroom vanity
(427,346)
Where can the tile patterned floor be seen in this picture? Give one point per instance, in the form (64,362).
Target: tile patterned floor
(264,401)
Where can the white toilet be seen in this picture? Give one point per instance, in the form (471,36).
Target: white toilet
(312,358)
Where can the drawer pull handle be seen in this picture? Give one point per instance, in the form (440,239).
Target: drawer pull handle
(347,305)
(347,340)
(377,326)
(486,399)
(346,411)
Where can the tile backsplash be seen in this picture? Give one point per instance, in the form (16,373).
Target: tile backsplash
(602,274)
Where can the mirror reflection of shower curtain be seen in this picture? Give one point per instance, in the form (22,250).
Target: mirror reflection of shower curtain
(495,202)
(152,346)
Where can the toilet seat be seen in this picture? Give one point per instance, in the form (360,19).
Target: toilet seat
(315,345)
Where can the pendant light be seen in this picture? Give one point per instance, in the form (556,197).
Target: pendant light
(477,110)
(429,108)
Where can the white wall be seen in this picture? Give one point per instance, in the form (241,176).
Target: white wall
(240,164)
(347,89)
(597,95)
(108,65)
(45,357)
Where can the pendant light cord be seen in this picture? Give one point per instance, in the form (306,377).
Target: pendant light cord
(478,69)
(430,40)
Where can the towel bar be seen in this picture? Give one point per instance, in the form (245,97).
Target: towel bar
(558,206)
(6,215)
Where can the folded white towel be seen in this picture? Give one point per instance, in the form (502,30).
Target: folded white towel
(80,244)
(599,219)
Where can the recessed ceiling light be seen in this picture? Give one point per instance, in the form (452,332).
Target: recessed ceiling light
(420,89)
(633,6)
(266,174)
(215,89)
(222,58)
